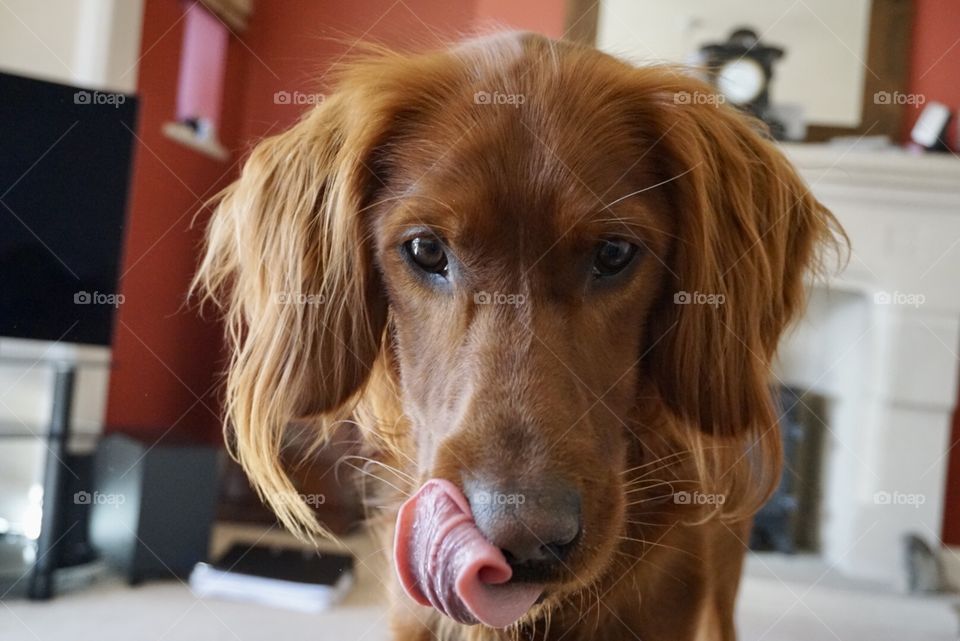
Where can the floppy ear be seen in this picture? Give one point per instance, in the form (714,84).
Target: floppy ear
(289,261)
(749,229)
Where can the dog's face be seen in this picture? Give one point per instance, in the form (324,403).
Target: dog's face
(574,278)
(519,299)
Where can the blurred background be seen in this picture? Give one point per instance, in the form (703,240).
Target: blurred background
(120,515)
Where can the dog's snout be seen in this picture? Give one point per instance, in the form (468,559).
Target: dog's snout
(533,526)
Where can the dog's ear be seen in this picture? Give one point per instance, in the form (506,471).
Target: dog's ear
(748,231)
(289,259)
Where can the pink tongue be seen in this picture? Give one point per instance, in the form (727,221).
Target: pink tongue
(443,560)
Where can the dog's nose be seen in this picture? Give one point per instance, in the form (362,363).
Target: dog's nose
(537,525)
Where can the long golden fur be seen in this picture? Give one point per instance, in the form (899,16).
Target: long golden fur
(622,389)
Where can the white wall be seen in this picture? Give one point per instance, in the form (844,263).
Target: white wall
(38,37)
(825,42)
(91,43)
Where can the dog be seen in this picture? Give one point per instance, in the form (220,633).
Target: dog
(547,286)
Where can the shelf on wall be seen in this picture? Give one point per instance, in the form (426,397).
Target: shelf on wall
(187,136)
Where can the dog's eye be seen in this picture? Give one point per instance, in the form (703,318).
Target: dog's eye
(612,257)
(427,253)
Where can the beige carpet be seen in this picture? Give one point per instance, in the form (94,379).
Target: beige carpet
(777,604)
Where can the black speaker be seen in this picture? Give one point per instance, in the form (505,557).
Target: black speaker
(73,532)
(153,506)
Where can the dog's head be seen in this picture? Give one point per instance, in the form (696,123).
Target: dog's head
(571,273)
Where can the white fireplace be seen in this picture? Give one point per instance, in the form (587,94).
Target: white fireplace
(880,341)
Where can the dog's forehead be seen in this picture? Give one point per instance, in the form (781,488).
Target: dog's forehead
(531,145)
(512,175)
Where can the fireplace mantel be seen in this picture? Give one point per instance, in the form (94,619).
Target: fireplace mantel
(880,341)
(892,169)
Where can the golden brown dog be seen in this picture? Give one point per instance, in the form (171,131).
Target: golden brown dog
(549,279)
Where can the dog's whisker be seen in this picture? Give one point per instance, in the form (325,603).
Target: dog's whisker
(658,484)
(658,460)
(646,542)
(649,523)
(655,185)
(639,485)
(644,478)
(650,486)
(370,474)
(652,498)
(678,454)
(372,461)
(633,223)
(408,458)
(367,472)
(647,561)
(382,201)
(673,478)
(667,466)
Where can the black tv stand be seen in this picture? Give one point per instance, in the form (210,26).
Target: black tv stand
(51,523)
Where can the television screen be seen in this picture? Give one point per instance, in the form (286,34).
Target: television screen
(65,164)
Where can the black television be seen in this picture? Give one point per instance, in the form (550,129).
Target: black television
(65,164)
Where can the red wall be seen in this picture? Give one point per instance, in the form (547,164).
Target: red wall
(164,356)
(546,16)
(294,43)
(166,359)
(935,65)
